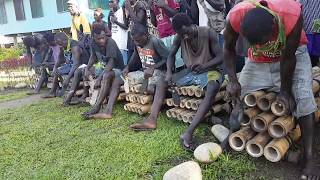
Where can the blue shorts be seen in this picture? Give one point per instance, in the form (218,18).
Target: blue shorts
(64,69)
(98,71)
(200,79)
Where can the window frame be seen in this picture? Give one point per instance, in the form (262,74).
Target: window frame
(100,4)
(64,8)
(4,15)
(21,6)
(41,7)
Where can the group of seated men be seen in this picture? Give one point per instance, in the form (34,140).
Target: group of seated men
(277,59)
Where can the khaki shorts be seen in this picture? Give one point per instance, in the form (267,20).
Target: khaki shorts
(137,77)
(257,76)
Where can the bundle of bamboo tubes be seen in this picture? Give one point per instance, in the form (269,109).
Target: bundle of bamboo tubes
(137,108)
(267,128)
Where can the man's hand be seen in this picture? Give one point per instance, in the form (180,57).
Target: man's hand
(160,3)
(198,68)
(125,71)
(287,100)
(234,89)
(148,72)
(113,19)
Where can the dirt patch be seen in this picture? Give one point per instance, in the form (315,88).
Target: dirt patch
(21,102)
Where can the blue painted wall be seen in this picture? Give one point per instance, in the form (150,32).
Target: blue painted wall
(52,19)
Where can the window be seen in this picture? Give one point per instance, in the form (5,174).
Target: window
(93,4)
(3,14)
(19,10)
(36,8)
(62,5)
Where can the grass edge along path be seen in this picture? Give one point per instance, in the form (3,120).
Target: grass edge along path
(45,141)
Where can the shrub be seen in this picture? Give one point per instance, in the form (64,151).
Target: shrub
(14,63)
(10,53)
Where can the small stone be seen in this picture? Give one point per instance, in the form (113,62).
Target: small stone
(189,170)
(208,152)
(20,85)
(220,132)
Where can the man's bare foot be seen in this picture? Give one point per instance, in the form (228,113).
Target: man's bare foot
(186,142)
(49,95)
(147,124)
(89,114)
(311,170)
(32,92)
(101,116)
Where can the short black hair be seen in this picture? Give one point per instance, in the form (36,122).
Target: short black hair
(61,36)
(179,20)
(97,28)
(257,23)
(29,41)
(49,36)
(139,29)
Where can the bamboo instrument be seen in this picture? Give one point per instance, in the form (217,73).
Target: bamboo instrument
(249,115)
(281,126)
(94,97)
(79,92)
(256,145)
(184,91)
(237,140)
(178,89)
(122,96)
(169,113)
(169,102)
(279,109)
(125,107)
(261,122)
(189,103)
(220,95)
(264,102)
(277,148)
(251,99)
(183,102)
(176,111)
(191,90)
(145,99)
(143,109)
(198,92)
(195,104)
(137,88)
(188,116)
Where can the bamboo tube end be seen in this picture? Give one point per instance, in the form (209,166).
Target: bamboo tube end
(278,109)
(245,121)
(264,104)
(253,149)
(236,142)
(276,131)
(258,124)
(250,100)
(272,154)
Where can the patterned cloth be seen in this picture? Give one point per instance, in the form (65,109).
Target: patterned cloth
(311,12)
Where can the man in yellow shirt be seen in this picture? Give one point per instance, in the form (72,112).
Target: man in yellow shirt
(78,19)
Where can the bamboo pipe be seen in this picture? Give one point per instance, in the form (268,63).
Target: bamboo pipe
(122,97)
(224,84)
(145,99)
(279,109)
(198,92)
(264,102)
(178,90)
(281,126)
(191,90)
(277,148)
(184,91)
(256,145)
(315,87)
(189,103)
(249,115)
(128,97)
(169,113)
(183,102)
(187,117)
(143,109)
(251,99)
(131,89)
(261,122)
(79,92)
(137,88)
(237,140)
(195,104)
(170,102)
(220,95)
(175,112)
(125,107)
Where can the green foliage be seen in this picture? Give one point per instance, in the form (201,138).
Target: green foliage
(47,141)
(10,53)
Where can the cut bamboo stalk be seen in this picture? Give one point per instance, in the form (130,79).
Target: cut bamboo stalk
(189,103)
(125,107)
(176,111)
(128,97)
(237,140)
(249,115)
(251,99)
(187,116)
(131,89)
(261,122)
(178,89)
(264,102)
(279,109)
(169,102)
(256,145)
(277,148)
(143,109)
(195,104)
(122,97)
(168,113)
(79,92)
(183,102)
(146,99)
(315,87)
(198,92)
(220,95)
(191,90)
(184,91)
(281,126)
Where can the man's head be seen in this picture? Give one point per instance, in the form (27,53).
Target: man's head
(98,14)
(257,26)
(73,7)
(61,39)
(49,36)
(139,34)
(113,4)
(181,24)
(29,41)
(99,34)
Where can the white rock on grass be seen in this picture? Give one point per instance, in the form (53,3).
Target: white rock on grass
(189,170)
(208,152)
(220,132)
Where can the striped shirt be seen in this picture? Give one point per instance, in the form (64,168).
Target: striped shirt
(311,12)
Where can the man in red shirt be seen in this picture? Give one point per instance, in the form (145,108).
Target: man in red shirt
(277,60)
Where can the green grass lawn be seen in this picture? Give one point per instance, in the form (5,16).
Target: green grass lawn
(12,95)
(47,141)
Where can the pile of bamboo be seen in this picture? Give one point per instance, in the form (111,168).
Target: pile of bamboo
(190,100)
(138,102)
(267,130)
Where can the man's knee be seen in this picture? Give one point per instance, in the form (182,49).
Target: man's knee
(117,82)
(212,88)
(108,76)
